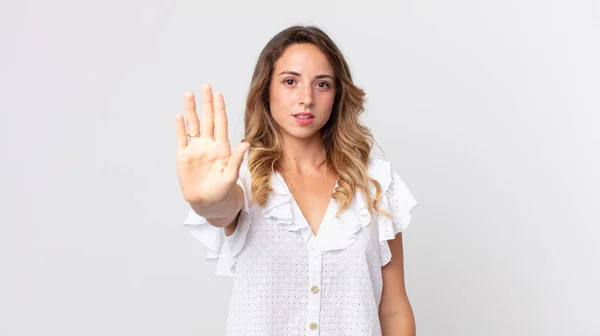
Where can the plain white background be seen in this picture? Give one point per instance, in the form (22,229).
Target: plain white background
(487,109)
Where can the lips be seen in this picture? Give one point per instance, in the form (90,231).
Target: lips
(304,114)
(304,118)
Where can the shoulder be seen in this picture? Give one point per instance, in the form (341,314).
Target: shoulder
(380,170)
(244,173)
(244,178)
(378,166)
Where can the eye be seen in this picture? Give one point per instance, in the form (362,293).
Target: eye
(287,81)
(325,84)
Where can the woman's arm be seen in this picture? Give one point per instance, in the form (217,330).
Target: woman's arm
(224,214)
(395,312)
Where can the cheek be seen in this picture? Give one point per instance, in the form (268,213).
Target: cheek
(331,98)
(281,97)
(328,100)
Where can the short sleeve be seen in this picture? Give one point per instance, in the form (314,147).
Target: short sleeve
(221,248)
(397,200)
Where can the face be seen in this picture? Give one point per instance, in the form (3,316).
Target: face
(302,91)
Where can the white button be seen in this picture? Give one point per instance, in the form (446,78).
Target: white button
(314,252)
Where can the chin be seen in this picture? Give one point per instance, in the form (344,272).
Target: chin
(301,134)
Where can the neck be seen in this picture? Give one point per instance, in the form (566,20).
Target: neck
(301,156)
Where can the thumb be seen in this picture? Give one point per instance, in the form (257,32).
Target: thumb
(235,160)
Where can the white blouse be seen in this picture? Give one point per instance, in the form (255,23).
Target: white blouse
(287,281)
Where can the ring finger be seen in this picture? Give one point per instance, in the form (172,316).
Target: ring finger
(193,124)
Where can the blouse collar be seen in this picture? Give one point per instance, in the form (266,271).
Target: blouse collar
(334,232)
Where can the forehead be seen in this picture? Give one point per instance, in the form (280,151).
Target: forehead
(304,58)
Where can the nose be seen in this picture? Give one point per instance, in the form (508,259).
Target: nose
(306,96)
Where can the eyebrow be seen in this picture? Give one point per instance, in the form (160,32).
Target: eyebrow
(297,74)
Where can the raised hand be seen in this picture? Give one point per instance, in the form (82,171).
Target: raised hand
(206,167)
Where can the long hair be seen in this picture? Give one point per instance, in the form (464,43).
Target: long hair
(346,141)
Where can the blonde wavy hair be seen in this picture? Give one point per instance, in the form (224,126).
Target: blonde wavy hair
(346,141)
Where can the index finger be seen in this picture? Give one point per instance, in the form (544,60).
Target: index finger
(220,119)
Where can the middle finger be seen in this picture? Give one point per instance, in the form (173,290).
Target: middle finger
(208,113)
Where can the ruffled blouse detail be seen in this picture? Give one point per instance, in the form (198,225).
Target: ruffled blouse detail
(335,233)
(222,248)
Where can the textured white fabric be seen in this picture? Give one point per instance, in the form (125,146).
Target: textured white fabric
(277,261)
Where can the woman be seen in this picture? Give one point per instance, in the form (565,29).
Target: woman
(309,225)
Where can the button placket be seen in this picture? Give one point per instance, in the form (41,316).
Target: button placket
(314,289)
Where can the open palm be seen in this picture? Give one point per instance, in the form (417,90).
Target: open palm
(206,167)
